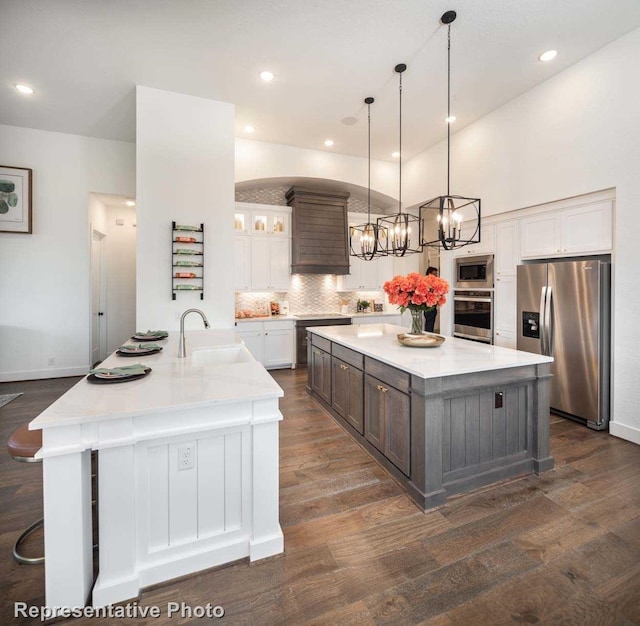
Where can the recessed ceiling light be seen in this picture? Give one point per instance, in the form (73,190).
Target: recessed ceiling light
(249,129)
(549,55)
(328,142)
(130,203)
(395,155)
(450,120)
(25,89)
(266,76)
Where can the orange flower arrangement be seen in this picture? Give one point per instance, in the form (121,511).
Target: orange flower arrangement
(418,293)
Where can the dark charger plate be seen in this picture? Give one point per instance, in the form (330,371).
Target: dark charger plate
(139,352)
(149,338)
(122,379)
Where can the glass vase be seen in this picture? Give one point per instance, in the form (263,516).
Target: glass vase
(417,320)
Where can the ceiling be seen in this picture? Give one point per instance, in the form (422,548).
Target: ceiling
(85,57)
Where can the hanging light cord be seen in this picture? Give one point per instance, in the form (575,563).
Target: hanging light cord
(448,105)
(400,149)
(369,161)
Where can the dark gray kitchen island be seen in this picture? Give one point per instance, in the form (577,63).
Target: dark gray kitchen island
(441,420)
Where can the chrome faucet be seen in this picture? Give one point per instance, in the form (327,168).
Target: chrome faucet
(182,348)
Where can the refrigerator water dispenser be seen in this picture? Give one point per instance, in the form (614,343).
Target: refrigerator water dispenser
(531,324)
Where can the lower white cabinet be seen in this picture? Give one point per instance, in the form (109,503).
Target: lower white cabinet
(505,314)
(278,347)
(270,343)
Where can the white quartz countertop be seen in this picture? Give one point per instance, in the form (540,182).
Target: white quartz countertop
(266,318)
(306,316)
(454,356)
(172,384)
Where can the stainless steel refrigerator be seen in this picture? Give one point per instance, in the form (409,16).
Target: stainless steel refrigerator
(564,311)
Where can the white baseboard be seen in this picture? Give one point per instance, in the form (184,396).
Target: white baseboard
(630,433)
(266,547)
(50,372)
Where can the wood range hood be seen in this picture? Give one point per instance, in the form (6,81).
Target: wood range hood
(319,235)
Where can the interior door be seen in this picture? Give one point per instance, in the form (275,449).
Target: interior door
(98,321)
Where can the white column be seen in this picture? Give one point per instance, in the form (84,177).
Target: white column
(118,576)
(67,530)
(267,538)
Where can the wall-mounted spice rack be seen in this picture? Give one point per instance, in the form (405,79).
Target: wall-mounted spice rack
(187,259)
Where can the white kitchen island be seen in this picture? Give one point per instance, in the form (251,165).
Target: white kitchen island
(187,471)
(442,420)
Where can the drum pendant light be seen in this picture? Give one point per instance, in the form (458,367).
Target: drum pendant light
(368,241)
(404,230)
(449,212)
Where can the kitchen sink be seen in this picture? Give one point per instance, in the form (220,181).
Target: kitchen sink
(220,356)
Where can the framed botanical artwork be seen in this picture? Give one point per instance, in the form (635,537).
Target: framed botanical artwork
(15,199)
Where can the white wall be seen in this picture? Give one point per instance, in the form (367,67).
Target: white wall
(120,256)
(576,133)
(44,285)
(184,172)
(257,160)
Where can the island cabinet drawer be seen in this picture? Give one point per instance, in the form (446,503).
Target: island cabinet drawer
(387,374)
(348,356)
(321,342)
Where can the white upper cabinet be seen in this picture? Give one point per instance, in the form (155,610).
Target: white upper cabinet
(587,228)
(262,247)
(270,223)
(506,248)
(261,219)
(486,243)
(541,235)
(577,230)
(270,263)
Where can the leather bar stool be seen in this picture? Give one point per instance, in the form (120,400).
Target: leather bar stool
(22,446)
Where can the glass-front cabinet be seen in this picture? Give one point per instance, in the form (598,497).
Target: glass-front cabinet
(261,219)
(270,223)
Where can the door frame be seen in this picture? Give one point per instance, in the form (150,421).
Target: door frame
(102,296)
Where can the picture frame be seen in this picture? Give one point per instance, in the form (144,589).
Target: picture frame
(16,200)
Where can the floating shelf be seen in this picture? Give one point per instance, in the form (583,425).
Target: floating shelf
(178,252)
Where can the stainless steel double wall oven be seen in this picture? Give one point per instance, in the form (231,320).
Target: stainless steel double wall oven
(473,298)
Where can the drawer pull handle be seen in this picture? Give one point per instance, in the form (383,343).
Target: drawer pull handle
(383,389)
(343,367)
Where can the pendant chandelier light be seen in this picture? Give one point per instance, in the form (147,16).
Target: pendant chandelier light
(368,241)
(404,230)
(449,212)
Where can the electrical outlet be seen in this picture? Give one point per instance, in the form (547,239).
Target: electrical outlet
(52,360)
(186,457)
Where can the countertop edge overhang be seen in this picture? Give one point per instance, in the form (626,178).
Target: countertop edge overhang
(454,357)
(173,384)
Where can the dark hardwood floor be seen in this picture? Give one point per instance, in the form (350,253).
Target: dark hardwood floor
(561,548)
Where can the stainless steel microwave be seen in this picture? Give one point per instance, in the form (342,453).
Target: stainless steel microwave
(474,272)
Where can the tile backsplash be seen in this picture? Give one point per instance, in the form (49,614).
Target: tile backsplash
(308,293)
